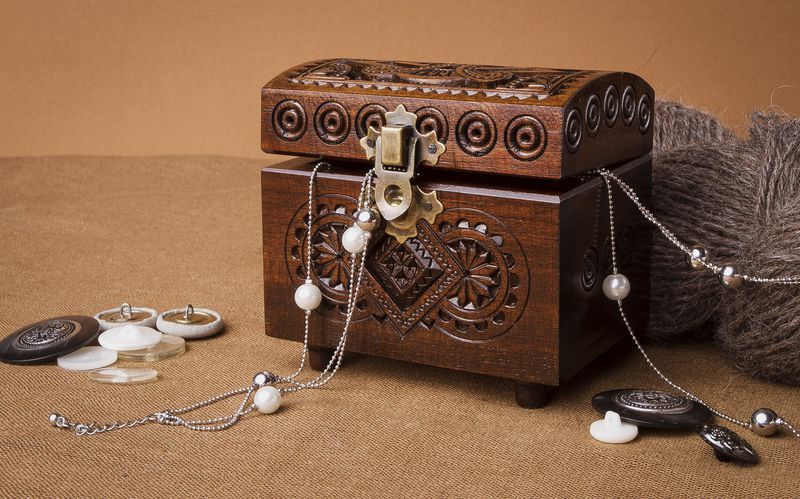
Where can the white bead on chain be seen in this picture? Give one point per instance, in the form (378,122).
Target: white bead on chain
(266,396)
(616,287)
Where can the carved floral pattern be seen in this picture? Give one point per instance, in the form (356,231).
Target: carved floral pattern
(329,257)
(480,281)
(467,277)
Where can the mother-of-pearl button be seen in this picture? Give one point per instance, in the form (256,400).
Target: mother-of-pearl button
(612,430)
(129,338)
(87,358)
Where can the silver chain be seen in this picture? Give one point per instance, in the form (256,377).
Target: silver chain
(607,178)
(789,280)
(172,417)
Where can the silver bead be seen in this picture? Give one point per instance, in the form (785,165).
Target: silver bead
(263,378)
(367,219)
(694,260)
(764,422)
(54,418)
(729,277)
(616,287)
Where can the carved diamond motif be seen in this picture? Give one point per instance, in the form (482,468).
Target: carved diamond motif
(408,279)
(406,269)
(400,267)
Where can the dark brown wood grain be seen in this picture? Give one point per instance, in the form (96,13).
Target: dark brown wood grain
(506,282)
(532,122)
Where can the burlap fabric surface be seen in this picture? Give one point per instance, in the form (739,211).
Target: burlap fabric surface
(81,235)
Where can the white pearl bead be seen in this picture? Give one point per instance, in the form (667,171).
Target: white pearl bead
(616,287)
(267,399)
(354,240)
(308,296)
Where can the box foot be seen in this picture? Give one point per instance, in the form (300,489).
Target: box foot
(532,395)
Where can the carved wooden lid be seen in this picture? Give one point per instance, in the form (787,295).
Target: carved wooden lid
(533,122)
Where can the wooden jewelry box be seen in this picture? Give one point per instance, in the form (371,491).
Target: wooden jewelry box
(506,279)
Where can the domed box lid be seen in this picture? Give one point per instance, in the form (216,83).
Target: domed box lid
(531,122)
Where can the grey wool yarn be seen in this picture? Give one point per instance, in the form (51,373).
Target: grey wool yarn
(740,199)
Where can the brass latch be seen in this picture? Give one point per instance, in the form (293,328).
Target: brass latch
(397,149)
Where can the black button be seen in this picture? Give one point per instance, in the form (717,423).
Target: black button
(652,408)
(47,340)
(727,444)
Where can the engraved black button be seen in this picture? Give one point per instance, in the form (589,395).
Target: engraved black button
(652,408)
(48,339)
(727,444)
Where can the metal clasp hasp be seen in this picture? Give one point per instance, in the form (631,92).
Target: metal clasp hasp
(398,148)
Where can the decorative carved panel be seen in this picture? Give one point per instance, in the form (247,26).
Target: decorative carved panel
(491,81)
(466,277)
(523,121)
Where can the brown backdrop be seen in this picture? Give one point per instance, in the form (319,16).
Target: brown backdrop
(183,77)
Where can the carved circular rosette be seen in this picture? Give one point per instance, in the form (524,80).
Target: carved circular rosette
(611,105)
(339,69)
(431,74)
(491,294)
(431,119)
(590,268)
(526,138)
(628,105)
(645,114)
(289,120)
(484,75)
(476,133)
(371,115)
(331,262)
(573,130)
(593,115)
(332,123)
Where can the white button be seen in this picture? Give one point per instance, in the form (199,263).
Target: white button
(123,376)
(190,322)
(87,358)
(129,338)
(612,430)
